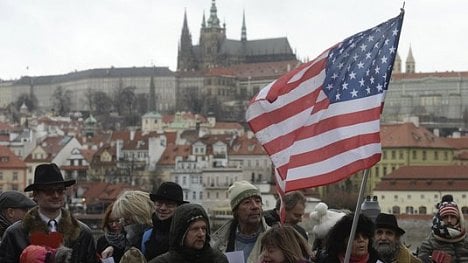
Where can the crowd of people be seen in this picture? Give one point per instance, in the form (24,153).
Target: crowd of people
(161,227)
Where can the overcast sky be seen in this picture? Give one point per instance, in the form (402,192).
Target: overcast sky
(47,37)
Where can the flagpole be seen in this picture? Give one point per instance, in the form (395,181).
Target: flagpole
(356,216)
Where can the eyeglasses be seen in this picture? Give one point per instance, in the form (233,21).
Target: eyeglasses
(168,204)
(115,221)
(52,191)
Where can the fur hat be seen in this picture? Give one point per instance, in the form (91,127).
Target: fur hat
(323,219)
(241,190)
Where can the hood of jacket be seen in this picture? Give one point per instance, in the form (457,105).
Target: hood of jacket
(184,215)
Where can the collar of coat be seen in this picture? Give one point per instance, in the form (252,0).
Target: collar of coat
(68,225)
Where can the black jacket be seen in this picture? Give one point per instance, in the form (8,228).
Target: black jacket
(177,253)
(76,236)
(158,243)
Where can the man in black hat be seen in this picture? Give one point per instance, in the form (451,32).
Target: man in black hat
(13,207)
(166,199)
(387,240)
(49,216)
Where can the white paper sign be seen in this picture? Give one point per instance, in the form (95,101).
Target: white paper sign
(108,260)
(235,256)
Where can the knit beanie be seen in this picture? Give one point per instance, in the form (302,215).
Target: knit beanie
(449,208)
(241,190)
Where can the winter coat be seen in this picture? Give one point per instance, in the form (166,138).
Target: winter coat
(458,250)
(158,243)
(103,243)
(183,217)
(225,234)
(373,258)
(76,236)
(405,256)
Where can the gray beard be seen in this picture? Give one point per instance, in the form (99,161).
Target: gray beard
(388,252)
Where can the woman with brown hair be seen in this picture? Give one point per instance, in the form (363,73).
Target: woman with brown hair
(283,244)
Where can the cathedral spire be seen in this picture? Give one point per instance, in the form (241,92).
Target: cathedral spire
(410,62)
(152,96)
(213,21)
(244,29)
(185,56)
(203,23)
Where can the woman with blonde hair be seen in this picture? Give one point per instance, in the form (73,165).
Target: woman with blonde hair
(114,242)
(283,244)
(134,209)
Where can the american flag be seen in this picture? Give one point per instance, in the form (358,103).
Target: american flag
(320,123)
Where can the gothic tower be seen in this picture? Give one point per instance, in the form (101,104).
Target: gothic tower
(185,56)
(410,63)
(244,29)
(152,96)
(211,37)
(397,64)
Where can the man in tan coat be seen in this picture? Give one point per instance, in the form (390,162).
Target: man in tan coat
(387,241)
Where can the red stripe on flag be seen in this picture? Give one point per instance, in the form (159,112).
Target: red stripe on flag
(333,149)
(281,86)
(332,177)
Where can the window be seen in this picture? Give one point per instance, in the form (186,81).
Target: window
(414,154)
(15,176)
(436,155)
(401,155)
(424,155)
(200,195)
(194,195)
(422,210)
(393,154)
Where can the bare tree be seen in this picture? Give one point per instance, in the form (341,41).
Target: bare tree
(61,101)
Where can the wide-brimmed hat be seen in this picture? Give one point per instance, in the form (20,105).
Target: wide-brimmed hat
(388,221)
(47,174)
(169,191)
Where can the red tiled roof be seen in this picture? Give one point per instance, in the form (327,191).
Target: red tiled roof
(6,126)
(8,160)
(100,191)
(463,156)
(171,151)
(440,178)
(408,135)
(457,143)
(228,125)
(87,154)
(245,146)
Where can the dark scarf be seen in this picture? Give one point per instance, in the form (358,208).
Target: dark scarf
(117,240)
(159,241)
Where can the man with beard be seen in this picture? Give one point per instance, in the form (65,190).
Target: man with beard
(387,241)
(245,230)
(190,238)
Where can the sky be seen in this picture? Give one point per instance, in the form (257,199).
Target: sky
(50,37)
